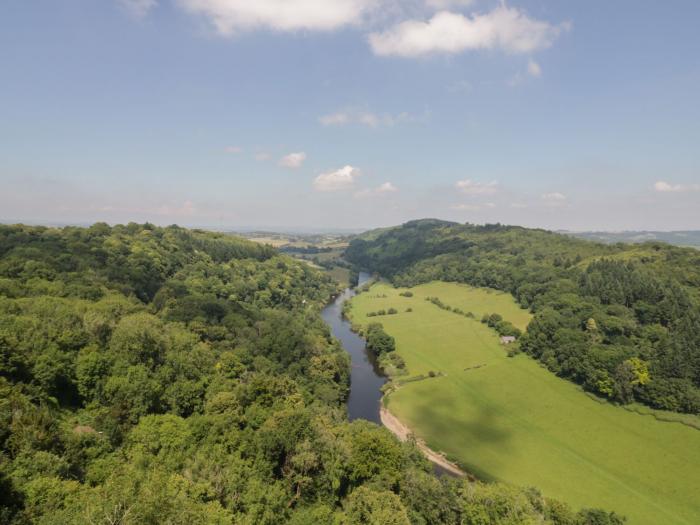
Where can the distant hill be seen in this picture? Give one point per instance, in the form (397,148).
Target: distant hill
(678,238)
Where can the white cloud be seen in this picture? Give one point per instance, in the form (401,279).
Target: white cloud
(553,197)
(341,179)
(469,187)
(387,187)
(446,4)
(665,187)
(335,119)
(534,69)
(505,28)
(554,200)
(364,118)
(382,189)
(234,150)
(138,8)
(231,16)
(293,160)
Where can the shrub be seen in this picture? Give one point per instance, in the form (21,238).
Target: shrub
(378,341)
(392,311)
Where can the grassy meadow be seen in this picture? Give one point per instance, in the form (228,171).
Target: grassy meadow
(508,419)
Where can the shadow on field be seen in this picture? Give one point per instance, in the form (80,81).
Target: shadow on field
(482,433)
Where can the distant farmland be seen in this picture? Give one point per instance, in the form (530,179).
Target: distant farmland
(509,419)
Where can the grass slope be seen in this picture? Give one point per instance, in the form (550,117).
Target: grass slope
(513,421)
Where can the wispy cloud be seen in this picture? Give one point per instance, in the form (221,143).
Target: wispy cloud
(138,8)
(233,150)
(364,118)
(534,69)
(383,189)
(554,199)
(504,28)
(447,4)
(470,187)
(293,160)
(473,207)
(338,180)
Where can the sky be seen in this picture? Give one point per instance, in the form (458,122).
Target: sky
(351,114)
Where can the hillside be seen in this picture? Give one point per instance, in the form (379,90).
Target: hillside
(163,375)
(621,320)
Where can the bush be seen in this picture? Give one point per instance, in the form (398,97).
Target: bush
(406,294)
(378,341)
(392,311)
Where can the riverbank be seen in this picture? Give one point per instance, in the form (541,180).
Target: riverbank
(402,432)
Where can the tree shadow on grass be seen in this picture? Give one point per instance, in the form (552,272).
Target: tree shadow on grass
(441,414)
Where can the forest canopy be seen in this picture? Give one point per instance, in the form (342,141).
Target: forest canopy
(163,375)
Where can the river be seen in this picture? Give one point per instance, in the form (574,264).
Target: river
(365,378)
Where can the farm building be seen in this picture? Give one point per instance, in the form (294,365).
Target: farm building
(507,339)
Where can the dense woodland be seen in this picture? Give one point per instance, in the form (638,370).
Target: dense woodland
(160,375)
(623,321)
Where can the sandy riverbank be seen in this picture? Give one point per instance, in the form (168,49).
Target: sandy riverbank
(402,432)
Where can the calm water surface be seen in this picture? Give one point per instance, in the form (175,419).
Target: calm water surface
(365,379)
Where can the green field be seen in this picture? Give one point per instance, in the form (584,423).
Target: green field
(514,421)
(342,275)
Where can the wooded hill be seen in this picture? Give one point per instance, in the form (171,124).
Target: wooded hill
(621,320)
(161,375)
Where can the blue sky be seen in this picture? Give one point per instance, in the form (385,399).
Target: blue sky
(351,113)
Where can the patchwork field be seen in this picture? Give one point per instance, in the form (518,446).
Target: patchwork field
(511,420)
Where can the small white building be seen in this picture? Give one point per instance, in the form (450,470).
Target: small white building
(507,339)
